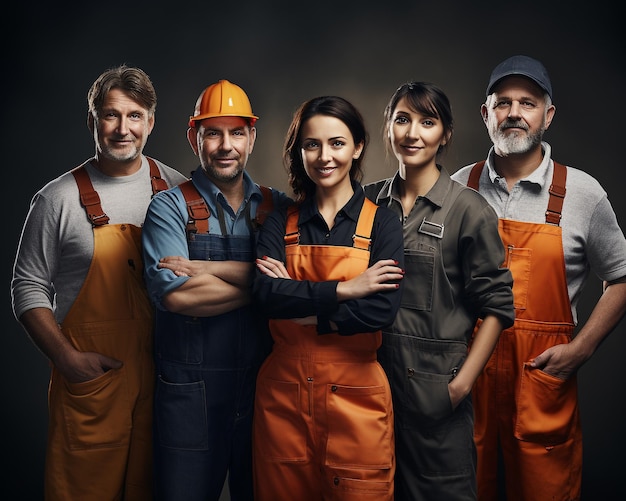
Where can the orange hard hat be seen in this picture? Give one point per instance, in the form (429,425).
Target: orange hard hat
(222,99)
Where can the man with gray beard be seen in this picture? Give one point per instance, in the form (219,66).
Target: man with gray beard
(556,224)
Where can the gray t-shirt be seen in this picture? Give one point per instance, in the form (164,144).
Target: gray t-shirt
(592,238)
(56,246)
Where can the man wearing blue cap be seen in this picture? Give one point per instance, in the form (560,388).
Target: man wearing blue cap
(556,224)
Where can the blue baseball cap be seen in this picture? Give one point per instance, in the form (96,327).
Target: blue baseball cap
(524,66)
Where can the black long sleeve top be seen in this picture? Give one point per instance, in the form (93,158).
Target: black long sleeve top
(285,298)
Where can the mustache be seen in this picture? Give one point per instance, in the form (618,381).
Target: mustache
(219,156)
(510,124)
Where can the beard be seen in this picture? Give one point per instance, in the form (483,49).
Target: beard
(112,151)
(222,175)
(516,142)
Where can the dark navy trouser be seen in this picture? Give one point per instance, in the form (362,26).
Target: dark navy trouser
(206,376)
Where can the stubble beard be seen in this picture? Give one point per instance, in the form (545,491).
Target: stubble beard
(126,154)
(223,175)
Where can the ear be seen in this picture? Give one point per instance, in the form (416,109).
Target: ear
(358,150)
(484,112)
(446,138)
(252,139)
(150,123)
(550,115)
(192,137)
(90,121)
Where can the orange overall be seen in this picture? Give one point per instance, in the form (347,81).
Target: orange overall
(323,422)
(530,414)
(99,439)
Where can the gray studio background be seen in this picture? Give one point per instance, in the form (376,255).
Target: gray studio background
(282,53)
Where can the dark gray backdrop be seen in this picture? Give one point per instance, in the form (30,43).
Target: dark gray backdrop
(282,53)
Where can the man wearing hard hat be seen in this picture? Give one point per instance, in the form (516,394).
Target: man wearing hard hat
(199,248)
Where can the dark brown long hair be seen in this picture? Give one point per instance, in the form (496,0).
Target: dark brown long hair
(332,106)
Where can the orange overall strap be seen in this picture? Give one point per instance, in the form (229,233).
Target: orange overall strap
(196,208)
(474,176)
(292,234)
(265,207)
(158,183)
(199,212)
(557,189)
(362,235)
(89,199)
(557,194)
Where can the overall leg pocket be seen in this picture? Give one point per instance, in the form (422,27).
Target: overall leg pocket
(97,413)
(546,407)
(360,427)
(279,429)
(180,412)
(427,398)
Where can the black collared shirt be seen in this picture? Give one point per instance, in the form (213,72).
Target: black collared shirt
(284,298)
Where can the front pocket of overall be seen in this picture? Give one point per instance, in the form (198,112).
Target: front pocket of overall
(360,427)
(546,407)
(97,413)
(418,279)
(180,415)
(426,398)
(279,428)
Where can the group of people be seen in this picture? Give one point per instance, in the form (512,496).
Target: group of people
(410,338)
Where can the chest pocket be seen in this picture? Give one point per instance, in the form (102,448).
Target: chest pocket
(423,255)
(420,277)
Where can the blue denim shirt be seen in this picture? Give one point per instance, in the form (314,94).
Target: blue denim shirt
(164,231)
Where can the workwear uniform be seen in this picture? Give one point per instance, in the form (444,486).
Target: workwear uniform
(454,275)
(101,430)
(532,415)
(206,366)
(323,426)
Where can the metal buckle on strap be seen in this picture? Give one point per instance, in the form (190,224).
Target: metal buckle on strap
(360,242)
(292,238)
(430,228)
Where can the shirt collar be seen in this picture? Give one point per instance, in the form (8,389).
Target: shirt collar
(352,209)
(539,176)
(436,195)
(212,193)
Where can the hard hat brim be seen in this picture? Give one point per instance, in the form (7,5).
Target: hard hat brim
(198,118)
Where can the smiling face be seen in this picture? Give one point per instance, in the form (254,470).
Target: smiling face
(223,145)
(328,150)
(415,137)
(121,127)
(517,116)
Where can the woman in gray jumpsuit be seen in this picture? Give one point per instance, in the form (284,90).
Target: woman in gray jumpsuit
(454,278)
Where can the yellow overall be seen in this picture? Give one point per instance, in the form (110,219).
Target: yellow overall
(532,415)
(323,418)
(100,431)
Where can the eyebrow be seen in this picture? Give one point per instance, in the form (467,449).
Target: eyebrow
(330,138)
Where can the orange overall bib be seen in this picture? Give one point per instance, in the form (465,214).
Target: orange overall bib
(323,422)
(531,415)
(100,431)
